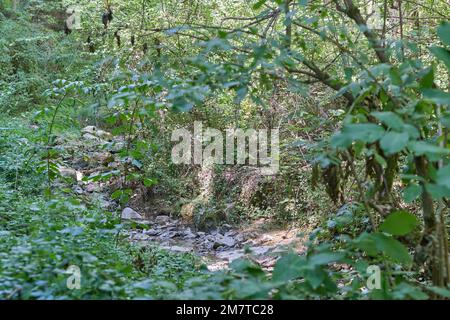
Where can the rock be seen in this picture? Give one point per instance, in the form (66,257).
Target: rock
(103,158)
(91,187)
(129,213)
(231,233)
(93,131)
(188,234)
(104,135)
(152,232)
(78,190)
(89,129)
(168,235)
(260,250)
(115,146)
(114,165)
(231,255)
(221,240)
(90,137)
(71,173)
(178,248)
(140,237)
(162,219)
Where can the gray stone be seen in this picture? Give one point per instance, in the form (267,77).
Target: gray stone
(221,240)
(129,213)
(231,255)
(104,135)
(179,249)
(90,137)
(152,232)
(91,187)
(89,129)
(162,219)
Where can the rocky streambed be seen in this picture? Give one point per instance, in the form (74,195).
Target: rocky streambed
(96,154)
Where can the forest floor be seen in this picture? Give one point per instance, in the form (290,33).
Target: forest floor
(95,155)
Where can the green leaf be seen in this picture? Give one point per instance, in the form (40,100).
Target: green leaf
(148,182)
(116,194)
(366,243)
(323,258)
(422,147)
(443,176)
(394,74)
(436,96)
(404,291)
(365,132)
(440,291)
(392,248)
(399,223)
(390,119)
(427,80)
(303,2)
(442,54)
(287,268)
(394,142)
(412,192)
(437,191)
(259,4)
(443,32)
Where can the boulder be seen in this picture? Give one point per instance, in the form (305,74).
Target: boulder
(89,129)
(91,137)
(71,173)
(129,213)
(104,135)
(225,241)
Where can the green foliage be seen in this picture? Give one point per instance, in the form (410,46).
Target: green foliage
(386,97)
(399,223)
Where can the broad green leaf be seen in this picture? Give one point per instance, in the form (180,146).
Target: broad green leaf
(399,223)
(445,119)
(412,192)
(437,191)
(443,176)
(323,258)
(394,142)
(442,54)
(395,77)
(365,132)
(247,266)
(390,119)
(443,32)
(392,248)
(405,291)
(287,268)
(440,291)
(436,96)
(422,147)
(427,80)
(366,243)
